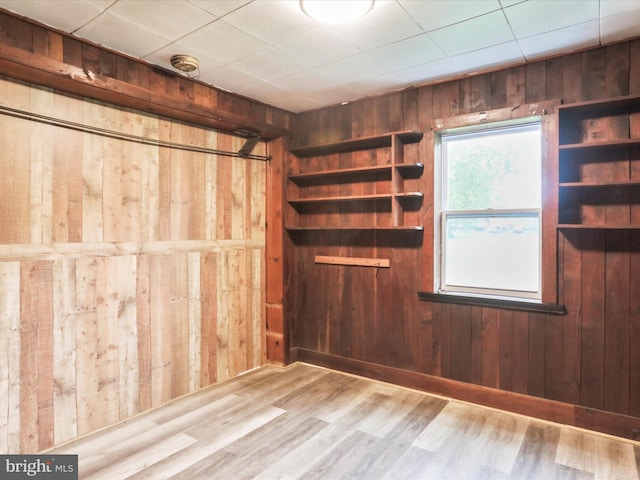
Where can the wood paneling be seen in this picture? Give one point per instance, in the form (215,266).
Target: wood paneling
(36,54)
(122,285)
(587,357)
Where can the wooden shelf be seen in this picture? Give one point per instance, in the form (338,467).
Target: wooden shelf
(621,183)
(409,195)
(314,203)
(302,178)
(407,169)
(594,143)
(352,145)
(583,226)
(621,143)
(412,228)
(611,106)
(346,198)
(410,170)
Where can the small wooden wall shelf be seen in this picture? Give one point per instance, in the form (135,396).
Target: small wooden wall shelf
(353,261)
(599,164)
(376,190)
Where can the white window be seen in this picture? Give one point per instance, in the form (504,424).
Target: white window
(490,203)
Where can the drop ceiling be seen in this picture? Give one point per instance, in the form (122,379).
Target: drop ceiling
(270,51)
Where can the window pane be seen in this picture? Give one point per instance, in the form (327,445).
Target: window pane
(498,169)
(493,252)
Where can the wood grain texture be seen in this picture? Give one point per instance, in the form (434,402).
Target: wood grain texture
(43,56)
(116,288)
(586,357)
(309,422)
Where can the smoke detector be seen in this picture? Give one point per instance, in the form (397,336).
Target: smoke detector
(184,63)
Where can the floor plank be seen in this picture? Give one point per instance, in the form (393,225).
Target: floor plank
(306,422)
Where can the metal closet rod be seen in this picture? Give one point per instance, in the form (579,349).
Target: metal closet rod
(13,112)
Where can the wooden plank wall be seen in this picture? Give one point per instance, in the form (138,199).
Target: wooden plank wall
(129,274)
(588,357)
(34,53)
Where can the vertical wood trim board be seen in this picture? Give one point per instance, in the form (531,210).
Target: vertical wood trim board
(129,274)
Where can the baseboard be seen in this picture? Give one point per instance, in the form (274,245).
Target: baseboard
(582,417)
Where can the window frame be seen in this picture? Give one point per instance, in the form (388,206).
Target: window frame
(441,214)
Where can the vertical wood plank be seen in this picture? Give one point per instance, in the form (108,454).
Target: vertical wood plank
(104,401)
(179,320)
(505,349)
(41,140)
(211,186)
(179,183)
(490,349)
(476,345)
(36,355)
(195,320)
(535,82)
(64,355)
(92,178)
(161,328)
(593,301)
(520,341)
(223,320)
(224,200)
(461,342)
(143,329)
(616,322)
(572,88)
(208,285)
(571,299)
(593,74)
(164,182)
(10,344)
(127,334)
(15,170)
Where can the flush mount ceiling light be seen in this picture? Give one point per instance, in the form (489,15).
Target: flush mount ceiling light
(184,63)
(336,11)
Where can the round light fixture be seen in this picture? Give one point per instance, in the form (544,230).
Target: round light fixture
(184,63)
(336,11)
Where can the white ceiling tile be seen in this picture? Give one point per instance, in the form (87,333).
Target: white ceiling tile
(509,3)
(317,47)
(407,53)
(271,21)
(387,23)
(229,78)
(269,64)
(274,95)
(212,45)
(614,7)
(620,27)
(351,68)
(571,38)
(539,16)
(373,85)
(475,34)
(118,34)
(312,84)
(169,18)
(434,14)
(468,63)
(66,15)
(220,8)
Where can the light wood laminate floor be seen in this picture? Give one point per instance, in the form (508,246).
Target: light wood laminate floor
(305,422)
